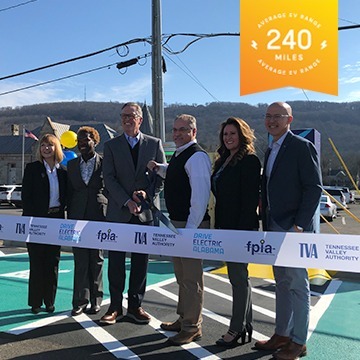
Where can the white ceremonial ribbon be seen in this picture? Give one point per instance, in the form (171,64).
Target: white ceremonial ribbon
(305,250)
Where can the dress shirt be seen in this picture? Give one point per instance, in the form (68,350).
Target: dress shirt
(54,200)
(132,140)
(275,147)
(198,169)
(87,169)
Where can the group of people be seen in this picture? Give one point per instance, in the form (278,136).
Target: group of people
(133,170)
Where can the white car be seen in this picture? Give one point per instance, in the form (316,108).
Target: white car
(337,194)
(16,196)
(327,208)
(5,193)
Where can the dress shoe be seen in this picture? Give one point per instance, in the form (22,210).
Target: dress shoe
(229,339)
(292,351)
(171,326)
(111,316)
(93,310)
(35,310)
(50,309)
(185,337)
(77,311)
(139,315)
(274,343)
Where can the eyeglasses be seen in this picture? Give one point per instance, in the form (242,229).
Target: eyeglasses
(275,116)
(129,116)
(181,130)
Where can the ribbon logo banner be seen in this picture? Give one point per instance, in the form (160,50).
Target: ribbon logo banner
(288,43)
(319,251)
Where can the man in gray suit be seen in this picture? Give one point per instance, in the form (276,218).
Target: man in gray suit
(291,190)
(86,201)
(125,176)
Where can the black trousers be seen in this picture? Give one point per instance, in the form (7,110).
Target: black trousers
(88,277)
(117,276)
(44,267)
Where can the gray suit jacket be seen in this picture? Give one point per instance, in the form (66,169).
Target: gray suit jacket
(294,187)
(122,178)
(86,202)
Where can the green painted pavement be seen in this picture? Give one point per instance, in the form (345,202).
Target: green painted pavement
(337,334)
(14,310)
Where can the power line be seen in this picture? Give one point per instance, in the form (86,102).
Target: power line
(15,6)
(118,65)
(77,58)
(166,39)
(58,79)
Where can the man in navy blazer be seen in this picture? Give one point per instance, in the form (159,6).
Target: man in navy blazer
(125,175)
(291,191)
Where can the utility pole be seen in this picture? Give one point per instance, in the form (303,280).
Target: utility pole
(156,70)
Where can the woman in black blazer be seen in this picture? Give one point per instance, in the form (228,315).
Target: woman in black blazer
(44,195)
(235,185)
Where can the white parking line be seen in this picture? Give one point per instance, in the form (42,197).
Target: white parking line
(253,289)
(113,345)
(210,314)
(256,308)
(194,348)
(322,305)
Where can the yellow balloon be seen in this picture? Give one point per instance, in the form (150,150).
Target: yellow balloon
(68,139)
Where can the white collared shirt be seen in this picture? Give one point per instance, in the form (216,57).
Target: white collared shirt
(198,169)
(54,199)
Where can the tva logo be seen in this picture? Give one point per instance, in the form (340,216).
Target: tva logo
(106,235)
(140,238)
(20,228)
(259,248)
(308,250)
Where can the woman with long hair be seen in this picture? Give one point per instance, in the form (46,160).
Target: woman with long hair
(235,185)
(44,195)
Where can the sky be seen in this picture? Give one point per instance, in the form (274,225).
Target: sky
(36,33)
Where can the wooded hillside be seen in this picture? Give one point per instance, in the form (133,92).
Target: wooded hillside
(338,121)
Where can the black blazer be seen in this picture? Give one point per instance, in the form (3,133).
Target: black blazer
(237,195)
(294,188)
(35,192)
(86,202)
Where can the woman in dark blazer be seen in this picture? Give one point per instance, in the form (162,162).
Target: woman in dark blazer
(235,185)
(44,195)
(86,201)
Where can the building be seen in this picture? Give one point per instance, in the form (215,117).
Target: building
(17,150)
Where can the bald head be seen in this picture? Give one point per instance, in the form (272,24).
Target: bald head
(278,119)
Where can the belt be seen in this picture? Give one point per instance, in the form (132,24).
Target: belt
(54,210)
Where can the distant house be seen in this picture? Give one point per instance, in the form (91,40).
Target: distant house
(336,178)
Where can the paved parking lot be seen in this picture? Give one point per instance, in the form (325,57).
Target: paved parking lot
(334,327)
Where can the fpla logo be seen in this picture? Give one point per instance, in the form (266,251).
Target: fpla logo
(105,236)
(259,249)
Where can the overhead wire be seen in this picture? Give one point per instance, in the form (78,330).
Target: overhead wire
(15,6)
(77,58)
(166,39)
(58,79)
(192,76)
